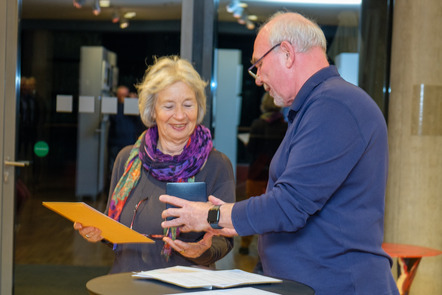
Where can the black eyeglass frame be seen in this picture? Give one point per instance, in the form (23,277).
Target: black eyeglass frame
(260,59)
(151,236)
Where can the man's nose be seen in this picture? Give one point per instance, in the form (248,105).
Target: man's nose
(258,80)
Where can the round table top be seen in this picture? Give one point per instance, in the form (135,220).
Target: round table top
(408,251)
(124,283)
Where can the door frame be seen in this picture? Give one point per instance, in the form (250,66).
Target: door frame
(9,83)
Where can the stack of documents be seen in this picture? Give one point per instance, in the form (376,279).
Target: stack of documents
(192,277)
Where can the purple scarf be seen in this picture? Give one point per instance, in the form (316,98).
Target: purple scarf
(163,167)
(177,168)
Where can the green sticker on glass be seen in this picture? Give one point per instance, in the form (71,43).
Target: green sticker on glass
(41,148)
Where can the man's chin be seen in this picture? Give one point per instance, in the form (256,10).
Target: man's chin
(279,101)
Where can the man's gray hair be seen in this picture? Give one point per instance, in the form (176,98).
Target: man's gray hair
(293,27)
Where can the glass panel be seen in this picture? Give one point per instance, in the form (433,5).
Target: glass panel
(49,255)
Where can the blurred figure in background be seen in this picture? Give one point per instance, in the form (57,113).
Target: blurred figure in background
(266,134)
(124,129)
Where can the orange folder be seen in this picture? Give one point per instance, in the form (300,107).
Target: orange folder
(111,230)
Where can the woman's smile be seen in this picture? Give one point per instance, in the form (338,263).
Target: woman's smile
(176,113)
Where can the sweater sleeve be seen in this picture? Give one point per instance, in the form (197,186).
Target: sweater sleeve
(307,170)
(221,246)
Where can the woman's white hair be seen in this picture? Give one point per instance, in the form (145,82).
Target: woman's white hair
(163,73)
(293,27)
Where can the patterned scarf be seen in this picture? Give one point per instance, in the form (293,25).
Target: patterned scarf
(167,168)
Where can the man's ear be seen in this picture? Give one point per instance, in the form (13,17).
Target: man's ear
(289,53)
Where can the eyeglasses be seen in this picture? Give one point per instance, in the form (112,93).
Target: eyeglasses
(253,70)
(153,237)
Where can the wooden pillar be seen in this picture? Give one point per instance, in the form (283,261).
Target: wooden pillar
(414,192)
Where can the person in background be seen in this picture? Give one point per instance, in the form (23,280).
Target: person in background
(123,129)
(174,148)
(321,220)
(266,134)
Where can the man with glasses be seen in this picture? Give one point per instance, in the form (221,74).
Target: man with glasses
(321,219)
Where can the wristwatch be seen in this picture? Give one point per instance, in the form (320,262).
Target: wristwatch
(213,217)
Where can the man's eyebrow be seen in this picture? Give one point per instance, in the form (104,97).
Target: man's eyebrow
(253,60)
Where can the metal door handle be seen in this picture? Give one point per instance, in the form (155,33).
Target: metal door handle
(17,163)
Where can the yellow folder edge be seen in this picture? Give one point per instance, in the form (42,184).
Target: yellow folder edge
(111,230)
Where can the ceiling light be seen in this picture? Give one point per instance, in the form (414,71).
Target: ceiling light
(96,7)
(115,16)
(253,17)
(124,23)
(250,25)
(238,12)
(323,2)
(78,3)
(242,20)
(232,6)
(105,3)
(130,14)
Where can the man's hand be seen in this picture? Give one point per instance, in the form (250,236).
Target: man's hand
(191,216)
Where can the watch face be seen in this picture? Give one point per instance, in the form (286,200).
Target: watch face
(213,215)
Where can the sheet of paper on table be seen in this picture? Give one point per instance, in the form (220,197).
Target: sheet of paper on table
(192,277)
(234,291)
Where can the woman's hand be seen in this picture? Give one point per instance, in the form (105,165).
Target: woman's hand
(191,250)
(89,233)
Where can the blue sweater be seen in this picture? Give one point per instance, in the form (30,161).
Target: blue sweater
(321,220)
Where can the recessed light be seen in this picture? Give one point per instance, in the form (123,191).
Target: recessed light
(253,17)
(104,3)
(130,14)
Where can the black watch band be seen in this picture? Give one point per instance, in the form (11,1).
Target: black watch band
(213,217)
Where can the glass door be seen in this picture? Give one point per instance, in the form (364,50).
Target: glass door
(49,257)
(8,73)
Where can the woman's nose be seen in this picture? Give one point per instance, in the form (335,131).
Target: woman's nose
(179,113)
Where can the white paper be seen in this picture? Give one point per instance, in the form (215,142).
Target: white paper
(234,291)
(189,277)
(131,106)
(86,104)
(109,105)
(64,103)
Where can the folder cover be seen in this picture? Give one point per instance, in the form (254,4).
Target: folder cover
(191,191)
(111,230)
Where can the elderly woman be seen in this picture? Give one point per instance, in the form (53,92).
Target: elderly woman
(174,148)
